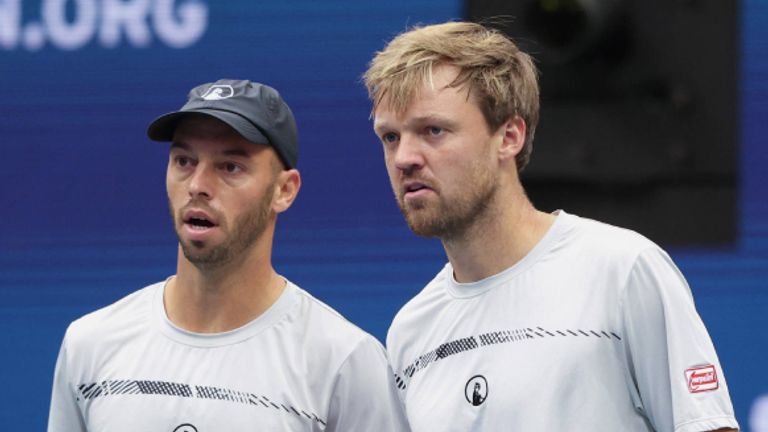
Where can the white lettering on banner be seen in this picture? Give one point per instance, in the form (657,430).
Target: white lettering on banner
(184,32)
(66,35)
(131,16)
(73,24)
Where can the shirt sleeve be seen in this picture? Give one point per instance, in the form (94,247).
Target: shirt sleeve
(64,415)
(673,370)
(364,396)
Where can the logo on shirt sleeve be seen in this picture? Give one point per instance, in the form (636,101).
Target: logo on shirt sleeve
(701,379)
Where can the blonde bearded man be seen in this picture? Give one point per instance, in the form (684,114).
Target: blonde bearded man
(539,321)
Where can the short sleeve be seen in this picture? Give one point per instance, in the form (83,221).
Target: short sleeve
(364,395)
(673,370)
(64,415)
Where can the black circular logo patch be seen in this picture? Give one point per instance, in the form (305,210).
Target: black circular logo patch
(186,427)
(476,390)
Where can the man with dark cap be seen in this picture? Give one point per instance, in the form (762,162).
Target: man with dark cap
(225,344)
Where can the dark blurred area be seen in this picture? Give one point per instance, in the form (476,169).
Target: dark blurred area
(639,111)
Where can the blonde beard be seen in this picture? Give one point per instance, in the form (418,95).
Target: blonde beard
(446,220)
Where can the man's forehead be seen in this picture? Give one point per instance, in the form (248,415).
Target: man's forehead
(388,109)
(386,120)
(422,108)
(442,78)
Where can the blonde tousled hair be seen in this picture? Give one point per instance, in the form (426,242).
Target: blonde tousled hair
(502,78)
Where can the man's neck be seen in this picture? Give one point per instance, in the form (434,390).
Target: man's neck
(221,299)
(500,238)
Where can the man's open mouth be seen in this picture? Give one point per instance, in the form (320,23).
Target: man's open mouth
(200,222)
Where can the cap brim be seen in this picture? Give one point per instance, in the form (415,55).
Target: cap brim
(163,127)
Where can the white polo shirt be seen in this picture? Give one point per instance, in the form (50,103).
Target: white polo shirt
(299,366)
(595,329)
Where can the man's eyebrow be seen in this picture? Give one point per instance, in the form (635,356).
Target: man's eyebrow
(379,126)
(237,152)
(419,121)
(434,118)
(179,144)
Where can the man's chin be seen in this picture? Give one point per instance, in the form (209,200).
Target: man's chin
(423,226)
(197,244)
(193,247)
(435,224)
(202,255)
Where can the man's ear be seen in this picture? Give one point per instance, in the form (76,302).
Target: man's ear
(513,138)
(287,187)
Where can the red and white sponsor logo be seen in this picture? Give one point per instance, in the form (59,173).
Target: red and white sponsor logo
(701,379)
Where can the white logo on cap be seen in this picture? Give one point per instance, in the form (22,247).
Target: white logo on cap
(219,92)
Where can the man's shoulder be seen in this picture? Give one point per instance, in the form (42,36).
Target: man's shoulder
(608,240)
(422,306)
(329,326)
(128,312)
(606,254)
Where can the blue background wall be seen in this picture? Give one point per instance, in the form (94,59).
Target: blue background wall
(84,217)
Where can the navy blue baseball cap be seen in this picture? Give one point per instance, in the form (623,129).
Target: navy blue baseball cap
(256,111)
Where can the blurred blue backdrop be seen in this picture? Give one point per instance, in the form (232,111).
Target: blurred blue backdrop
(85,222)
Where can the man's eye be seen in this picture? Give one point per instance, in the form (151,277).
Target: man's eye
(231,168)
(389,137)
(183,161)
(434,130)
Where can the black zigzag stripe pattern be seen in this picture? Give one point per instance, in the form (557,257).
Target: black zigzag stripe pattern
(106,388)
(491,338)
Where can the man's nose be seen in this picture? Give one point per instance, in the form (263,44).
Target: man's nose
(202,181)
(409,154)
